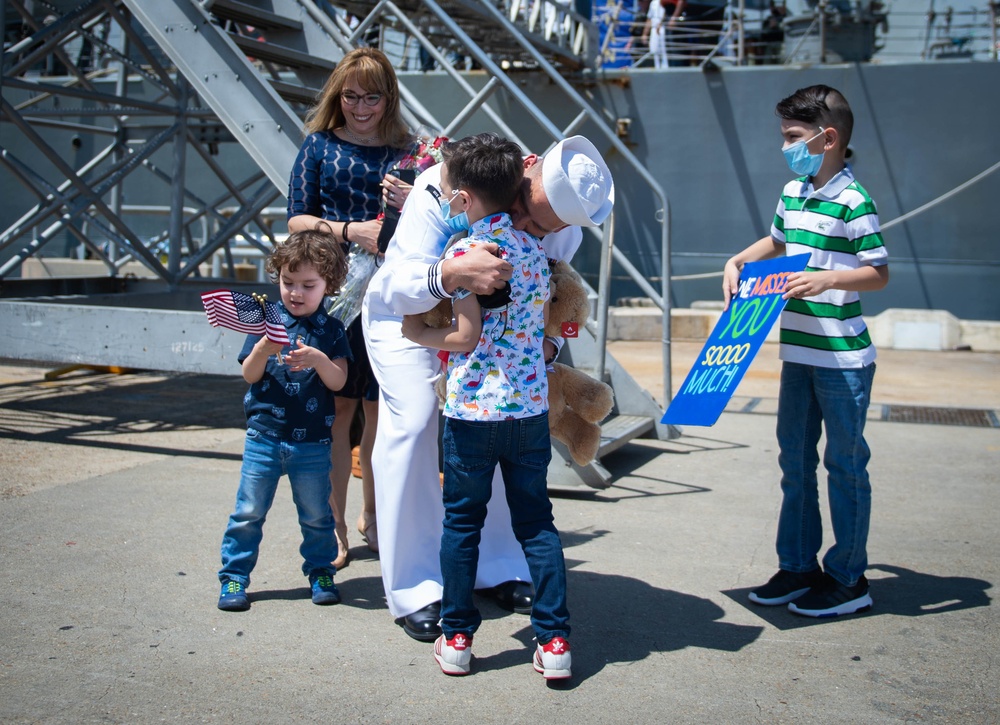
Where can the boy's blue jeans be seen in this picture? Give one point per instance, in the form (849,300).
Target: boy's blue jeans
(810,398)
(472,451)
(265,460)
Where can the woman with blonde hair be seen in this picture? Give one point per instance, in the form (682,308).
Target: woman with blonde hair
(355,134)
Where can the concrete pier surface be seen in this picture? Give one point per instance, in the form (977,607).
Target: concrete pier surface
(115,490)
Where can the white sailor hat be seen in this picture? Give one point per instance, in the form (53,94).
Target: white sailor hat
(578,183)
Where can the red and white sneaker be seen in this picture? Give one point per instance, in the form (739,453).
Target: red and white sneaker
(553,659)
(454,655)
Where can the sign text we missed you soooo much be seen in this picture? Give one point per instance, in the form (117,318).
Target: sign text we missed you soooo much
(734,342)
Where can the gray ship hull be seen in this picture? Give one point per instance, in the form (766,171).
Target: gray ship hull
(711,140)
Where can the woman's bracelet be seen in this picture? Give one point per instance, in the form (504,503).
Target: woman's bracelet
(343,233)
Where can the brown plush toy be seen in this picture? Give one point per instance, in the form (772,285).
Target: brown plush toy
(440,316)
(577,402)
(577,405)
(567,299)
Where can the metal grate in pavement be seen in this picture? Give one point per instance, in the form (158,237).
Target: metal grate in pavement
(940,416)
(890,413)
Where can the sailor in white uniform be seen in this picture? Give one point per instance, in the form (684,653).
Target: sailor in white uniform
(568,188)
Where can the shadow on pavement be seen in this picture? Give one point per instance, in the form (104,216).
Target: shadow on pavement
(361,593)
(627,621)
(905,593)
(89,410)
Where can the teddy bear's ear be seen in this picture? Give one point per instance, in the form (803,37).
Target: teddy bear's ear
(561,268)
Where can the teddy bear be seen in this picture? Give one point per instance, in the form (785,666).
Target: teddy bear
(577,402)
(577,405)
(568,302)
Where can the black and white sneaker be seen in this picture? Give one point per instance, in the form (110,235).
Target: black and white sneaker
(785,586)
(831,599)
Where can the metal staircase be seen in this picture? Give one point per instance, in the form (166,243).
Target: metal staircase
(218,71)
(568,40)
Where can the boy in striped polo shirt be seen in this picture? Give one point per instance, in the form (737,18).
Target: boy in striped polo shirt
(828,360)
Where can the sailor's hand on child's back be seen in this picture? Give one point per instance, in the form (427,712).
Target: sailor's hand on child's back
(483,269)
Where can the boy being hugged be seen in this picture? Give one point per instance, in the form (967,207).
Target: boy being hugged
(828,360)
(496,409)
(289,409)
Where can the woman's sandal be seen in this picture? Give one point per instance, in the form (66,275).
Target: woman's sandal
(369,531)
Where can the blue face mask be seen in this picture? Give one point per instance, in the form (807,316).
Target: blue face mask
(457,224)
(800,161)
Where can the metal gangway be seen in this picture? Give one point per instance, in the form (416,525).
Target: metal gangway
(168,92)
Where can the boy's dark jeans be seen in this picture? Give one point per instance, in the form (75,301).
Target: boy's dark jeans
(472,451)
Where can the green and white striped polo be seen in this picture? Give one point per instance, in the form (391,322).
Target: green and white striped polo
(838,226)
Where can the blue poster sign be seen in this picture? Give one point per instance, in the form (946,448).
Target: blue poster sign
(734,342)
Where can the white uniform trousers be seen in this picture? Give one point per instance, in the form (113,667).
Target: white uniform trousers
(407,485)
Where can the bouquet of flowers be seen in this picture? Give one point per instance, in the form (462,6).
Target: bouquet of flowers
(423,155)
(346,305)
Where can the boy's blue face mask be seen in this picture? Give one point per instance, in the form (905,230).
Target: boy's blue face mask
(457,224)
(800,161)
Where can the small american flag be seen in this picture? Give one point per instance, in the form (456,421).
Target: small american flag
(245,313)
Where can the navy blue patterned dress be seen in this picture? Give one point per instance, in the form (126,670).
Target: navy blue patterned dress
(340,181)
(337,180)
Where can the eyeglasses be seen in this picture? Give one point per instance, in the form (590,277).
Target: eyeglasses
(370,99)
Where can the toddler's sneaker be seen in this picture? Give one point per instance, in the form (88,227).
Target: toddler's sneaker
(832,599)
(553,659)
(233,597)
(324,591)
(454,655)
(785,586)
